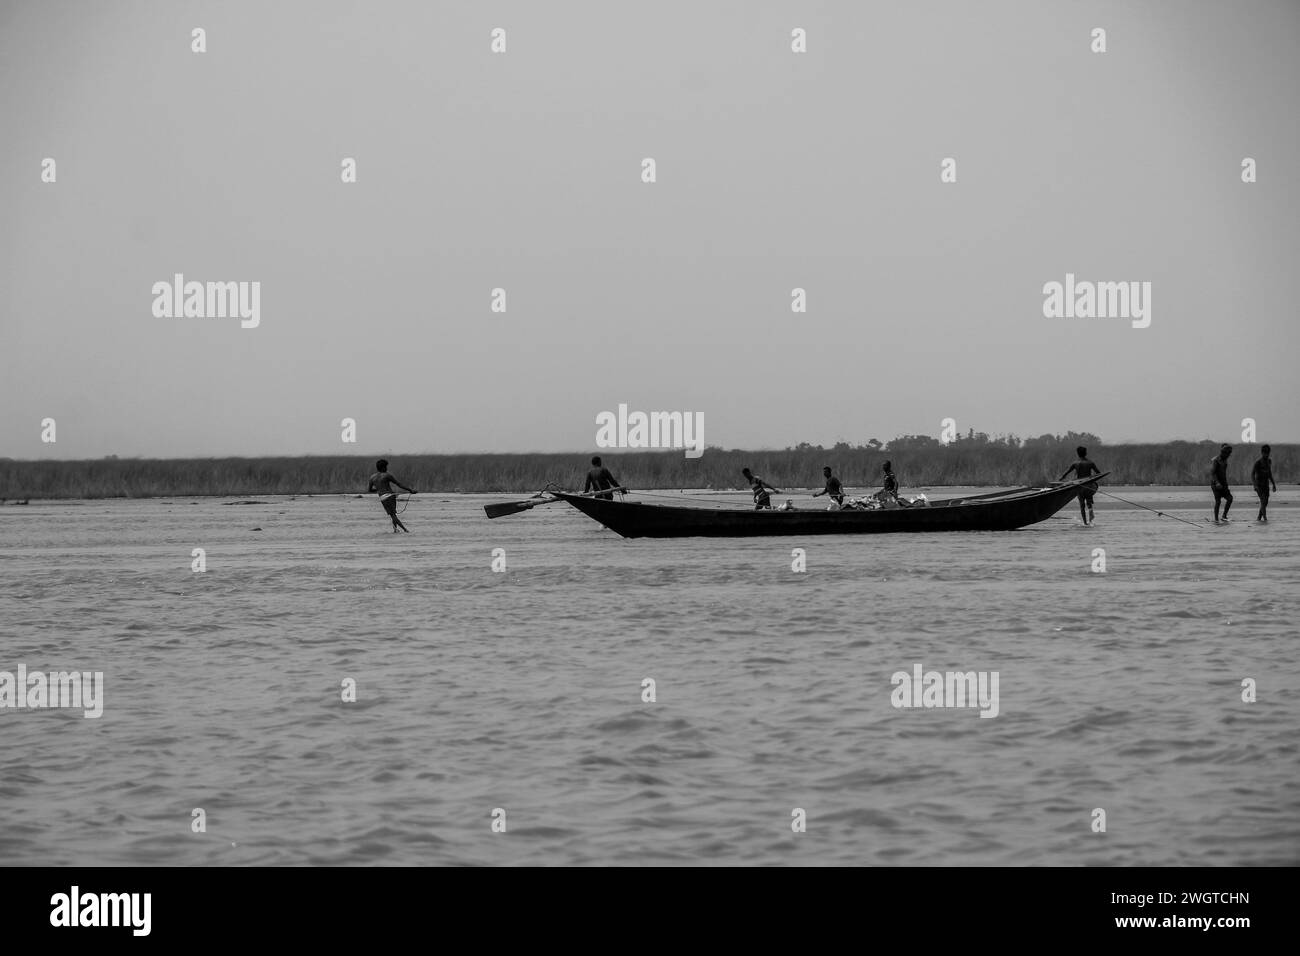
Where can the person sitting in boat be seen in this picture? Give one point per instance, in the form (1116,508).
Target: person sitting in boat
(788,506)
(599,478)
(760,488)
(833,488)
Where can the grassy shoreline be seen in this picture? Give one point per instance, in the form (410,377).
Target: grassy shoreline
(988,464)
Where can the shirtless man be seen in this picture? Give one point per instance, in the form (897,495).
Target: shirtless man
(381,483)
(599,478)
(1219,482)
(1082,469)
(1261,476)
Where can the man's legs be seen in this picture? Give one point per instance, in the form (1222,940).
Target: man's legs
(390,505)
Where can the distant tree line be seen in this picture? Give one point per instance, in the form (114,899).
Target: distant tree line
(919,461)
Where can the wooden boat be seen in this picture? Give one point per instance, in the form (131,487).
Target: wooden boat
(997,511)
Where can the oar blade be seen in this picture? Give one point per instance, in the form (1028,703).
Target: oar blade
(508,508)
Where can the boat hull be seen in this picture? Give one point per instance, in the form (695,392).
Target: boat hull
(1004,511)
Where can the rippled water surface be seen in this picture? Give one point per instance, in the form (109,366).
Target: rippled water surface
(522,691)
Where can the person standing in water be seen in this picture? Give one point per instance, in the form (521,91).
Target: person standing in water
(833,487)
(1261,476)
(1082,469)
(1219,482)
(381,482)
(599,478)
(760,488)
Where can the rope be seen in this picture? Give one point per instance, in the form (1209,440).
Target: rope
(405,503)
(1159,514)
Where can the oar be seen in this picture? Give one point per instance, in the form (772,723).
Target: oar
(514,507)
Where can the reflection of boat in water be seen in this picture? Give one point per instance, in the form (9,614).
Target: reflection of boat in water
(997,511)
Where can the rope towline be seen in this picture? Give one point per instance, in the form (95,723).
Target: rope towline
(1159,514)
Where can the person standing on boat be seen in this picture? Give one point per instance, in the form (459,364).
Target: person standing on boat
(760,488)
(1082,469)
(889,489)
(381,482)
(599,478)
(833,487)
(890,480)
(1219,482)
(1261,476)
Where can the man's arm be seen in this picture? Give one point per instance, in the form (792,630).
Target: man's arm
(1067,471)
(775,491)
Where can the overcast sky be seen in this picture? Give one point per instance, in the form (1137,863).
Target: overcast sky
(522,170)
